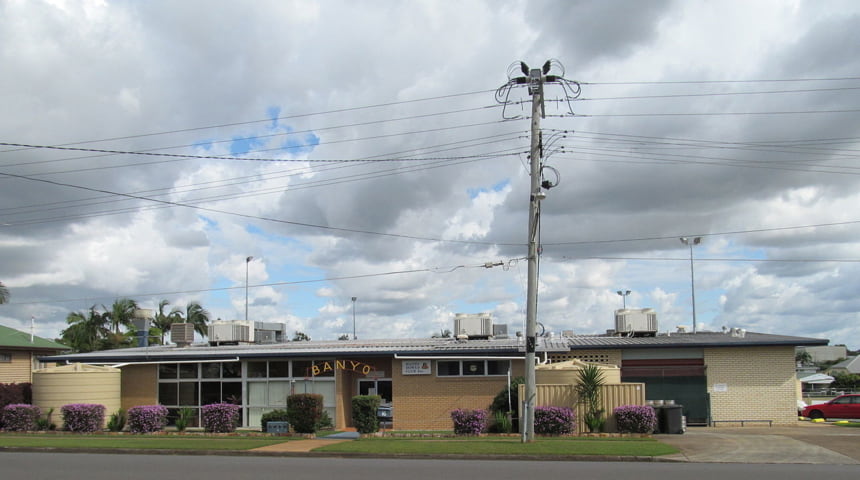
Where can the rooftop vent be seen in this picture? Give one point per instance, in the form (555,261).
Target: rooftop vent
(182,334)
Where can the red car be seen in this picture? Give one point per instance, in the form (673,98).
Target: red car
(843,406)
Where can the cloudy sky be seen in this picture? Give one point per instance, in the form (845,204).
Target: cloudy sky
(357,149)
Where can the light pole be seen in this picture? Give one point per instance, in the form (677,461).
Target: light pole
(623,297)
(353,318)
(247,261)
(690,242)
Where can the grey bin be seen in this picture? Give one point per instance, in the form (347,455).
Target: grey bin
(278,427)
(670,419)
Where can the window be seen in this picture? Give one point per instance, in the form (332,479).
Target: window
(472,368)
(5,357)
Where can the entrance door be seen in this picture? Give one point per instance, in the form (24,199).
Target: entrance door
(376,387)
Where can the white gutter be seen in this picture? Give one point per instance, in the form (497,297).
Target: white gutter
(159,362)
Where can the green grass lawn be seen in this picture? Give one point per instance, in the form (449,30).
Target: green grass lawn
(138,442)
(646,447)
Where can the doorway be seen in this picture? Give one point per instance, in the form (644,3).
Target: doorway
(376,387)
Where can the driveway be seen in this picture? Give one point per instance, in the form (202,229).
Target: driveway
(806,442)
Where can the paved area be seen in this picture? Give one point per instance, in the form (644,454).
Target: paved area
(298,446)
(806,442)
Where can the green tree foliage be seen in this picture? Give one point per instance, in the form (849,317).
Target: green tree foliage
(87,331)
(846,381)
(163,320)
(301,337)
(198,316)
(588,390)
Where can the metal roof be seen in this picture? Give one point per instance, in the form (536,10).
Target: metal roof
(11,338)
(431,347)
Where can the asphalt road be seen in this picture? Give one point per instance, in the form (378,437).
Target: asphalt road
(53,466)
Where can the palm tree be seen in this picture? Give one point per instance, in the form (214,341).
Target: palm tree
(87,331)
(198,316)
(4,293)
(163,321)
(121,314)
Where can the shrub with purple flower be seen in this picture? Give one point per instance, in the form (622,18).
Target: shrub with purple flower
(83,417)
(469,422)
(146,418)
(635,418)
(19,417)
(220,417)
(554,420)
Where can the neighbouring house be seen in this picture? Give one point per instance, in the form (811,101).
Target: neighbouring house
(848,366)
(21,353)
(829,353)
(715,376)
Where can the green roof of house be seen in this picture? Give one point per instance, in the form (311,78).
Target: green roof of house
(11,338)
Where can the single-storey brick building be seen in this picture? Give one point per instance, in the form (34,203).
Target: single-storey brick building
(716,376)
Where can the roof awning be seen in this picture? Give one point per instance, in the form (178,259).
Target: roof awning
(818,379)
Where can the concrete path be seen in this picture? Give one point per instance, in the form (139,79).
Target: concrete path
(804,443)
(303,445)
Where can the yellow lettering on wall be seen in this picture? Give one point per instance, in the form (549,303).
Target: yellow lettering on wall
(340,364)
(315,370)
(327,367)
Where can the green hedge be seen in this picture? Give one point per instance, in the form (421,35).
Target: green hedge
(304,411)
(364,409)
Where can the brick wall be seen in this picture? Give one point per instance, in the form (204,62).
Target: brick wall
(752,383)
(425,402)
(139,386)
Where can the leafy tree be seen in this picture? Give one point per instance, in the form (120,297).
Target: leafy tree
(121,315)
(87,331)
(301,337)
(163,320)
(846,381)
(443,334)
(343,336)
(198,316)
(803,357)
(4,293)
(588,390)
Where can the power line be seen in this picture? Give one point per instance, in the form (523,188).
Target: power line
(435,270)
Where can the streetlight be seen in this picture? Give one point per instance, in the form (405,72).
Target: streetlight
(690,242)
(623,297)
(247,261)
(353,318)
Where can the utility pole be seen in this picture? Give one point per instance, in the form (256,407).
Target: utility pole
(535,196)
(534,78)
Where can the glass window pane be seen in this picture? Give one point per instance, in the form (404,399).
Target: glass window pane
(231,392)
(473,367)
(232,369)
(302,369)
(448,368)
(187,370)
(327,390)
(167,371)
(278,393)
(257,369)
(211,370)
(257,393)
(168,393)
(497,367)
(279,369)
(210,392)
(188,393)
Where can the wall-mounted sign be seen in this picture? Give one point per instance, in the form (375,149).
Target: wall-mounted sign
(349,365)
(721,387)
(416,367)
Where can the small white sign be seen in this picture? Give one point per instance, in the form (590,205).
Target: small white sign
(721,387)
(416,367)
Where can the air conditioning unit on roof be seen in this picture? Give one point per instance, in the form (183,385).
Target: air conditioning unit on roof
(182,334)
(473,325)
